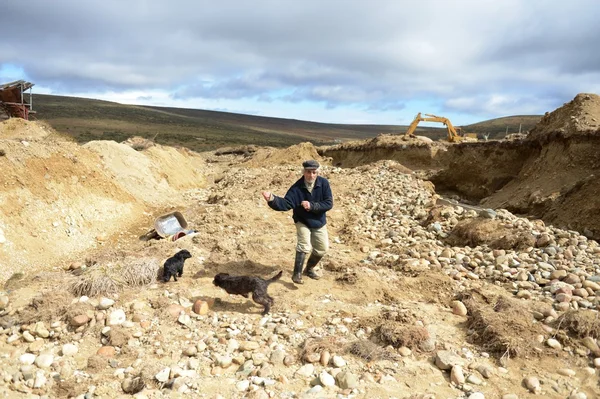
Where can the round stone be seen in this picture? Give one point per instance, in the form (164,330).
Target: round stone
(69,349)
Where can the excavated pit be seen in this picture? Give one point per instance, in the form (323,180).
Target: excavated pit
(552,174)
(477,170)
(560,185)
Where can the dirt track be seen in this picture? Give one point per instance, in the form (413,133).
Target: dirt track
(391,274)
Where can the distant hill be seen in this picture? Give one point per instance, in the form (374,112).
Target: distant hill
(497,128)
(200,130)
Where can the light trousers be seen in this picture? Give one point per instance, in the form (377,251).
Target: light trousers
(315,239)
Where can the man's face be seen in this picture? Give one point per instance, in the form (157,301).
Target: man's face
(310,175)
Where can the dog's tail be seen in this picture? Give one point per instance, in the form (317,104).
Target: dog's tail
(275,278)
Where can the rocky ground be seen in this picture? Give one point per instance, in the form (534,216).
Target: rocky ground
(420,298)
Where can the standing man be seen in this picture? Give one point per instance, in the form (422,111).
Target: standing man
(310,198)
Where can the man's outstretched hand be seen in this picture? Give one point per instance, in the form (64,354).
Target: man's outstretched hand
(305,205)
(266,195)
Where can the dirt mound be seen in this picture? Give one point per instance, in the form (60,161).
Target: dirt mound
(58,198)
(578,117)
(585,323)
(154,176)
(293,155)
(487,318)
(139,143)
(475,232)
(414,153)
(17,128)
(393,165)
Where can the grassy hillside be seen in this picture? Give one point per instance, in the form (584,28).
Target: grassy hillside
(498,127)
(200,130)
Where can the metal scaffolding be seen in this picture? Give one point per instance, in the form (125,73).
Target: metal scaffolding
(12,99)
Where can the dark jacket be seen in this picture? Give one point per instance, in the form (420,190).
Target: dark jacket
(321,200)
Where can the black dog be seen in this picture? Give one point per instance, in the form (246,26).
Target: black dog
(174,265)
(244,285)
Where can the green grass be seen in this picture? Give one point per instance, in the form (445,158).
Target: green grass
(86,120)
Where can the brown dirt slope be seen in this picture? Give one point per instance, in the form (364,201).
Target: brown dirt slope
(58,198)
(293,155)
(561,182)
(478,170)
(414,153)
(580,116)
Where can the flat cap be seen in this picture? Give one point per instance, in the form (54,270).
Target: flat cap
(311,164)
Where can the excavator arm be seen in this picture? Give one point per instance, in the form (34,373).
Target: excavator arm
(413,125)
(452,134)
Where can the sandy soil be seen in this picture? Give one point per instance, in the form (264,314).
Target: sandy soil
(62,203)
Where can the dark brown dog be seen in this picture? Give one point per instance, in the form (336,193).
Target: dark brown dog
(244,285)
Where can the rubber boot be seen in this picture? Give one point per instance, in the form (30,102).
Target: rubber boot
(310,265)
(298,264)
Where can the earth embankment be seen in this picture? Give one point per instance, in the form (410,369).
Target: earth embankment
(560,183)
(416,154)
(58,198)
(478,170)
(553,174)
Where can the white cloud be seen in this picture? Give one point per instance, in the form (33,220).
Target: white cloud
(479,58)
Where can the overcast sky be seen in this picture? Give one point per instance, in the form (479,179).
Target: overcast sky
(339,61)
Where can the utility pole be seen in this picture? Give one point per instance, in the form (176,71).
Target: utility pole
(520,128)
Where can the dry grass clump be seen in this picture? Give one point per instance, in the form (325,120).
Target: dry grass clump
(149,370)
(401,316)
(421,396)
(501,325)
(141,271)
(111,278)
(580,323)
(139,143)
(334,266)
(94,282)
(369,351)
(398,334)
(428,286)
(96,363)
(15,282)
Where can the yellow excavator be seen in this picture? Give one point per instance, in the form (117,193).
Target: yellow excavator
(453,132)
